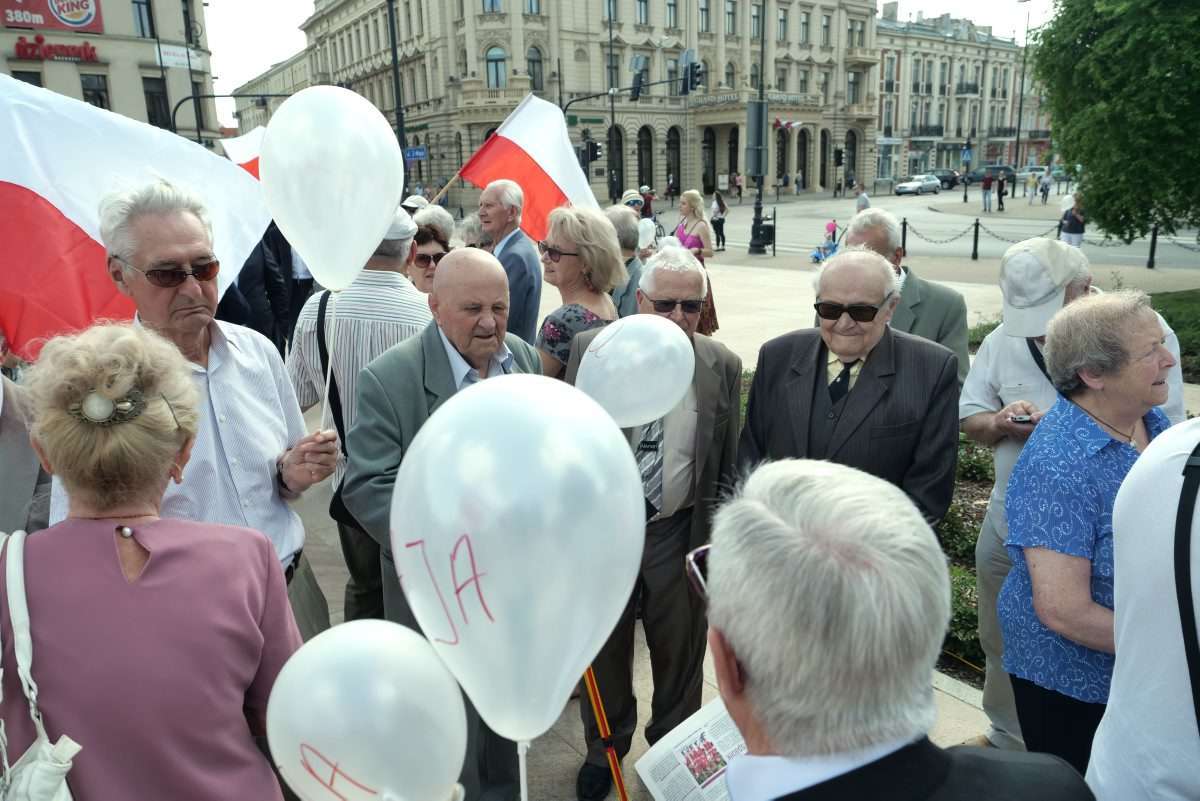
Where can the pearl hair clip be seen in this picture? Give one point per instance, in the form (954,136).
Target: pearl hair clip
(102,411)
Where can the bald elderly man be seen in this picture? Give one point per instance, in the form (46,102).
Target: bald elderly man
(397,392)
(857,392)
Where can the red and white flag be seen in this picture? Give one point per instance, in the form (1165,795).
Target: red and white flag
(61,157)
(244,150)
(533,148)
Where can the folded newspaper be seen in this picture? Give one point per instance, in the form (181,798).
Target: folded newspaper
(689,763)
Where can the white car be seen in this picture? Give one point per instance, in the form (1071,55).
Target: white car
(919,185)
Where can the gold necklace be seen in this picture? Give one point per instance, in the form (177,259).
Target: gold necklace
(1128,437)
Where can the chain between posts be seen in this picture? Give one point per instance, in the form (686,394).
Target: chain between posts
(924,238)
(1185,246)
(995,235)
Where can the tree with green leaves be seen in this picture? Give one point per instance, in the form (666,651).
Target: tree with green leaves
(1122,84)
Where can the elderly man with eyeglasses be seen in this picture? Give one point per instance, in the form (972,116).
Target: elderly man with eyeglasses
(687,458)
(856,392)
(252,454)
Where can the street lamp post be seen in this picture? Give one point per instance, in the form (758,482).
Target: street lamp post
(614,152)
(1021,93)
(757,245)
(391,7)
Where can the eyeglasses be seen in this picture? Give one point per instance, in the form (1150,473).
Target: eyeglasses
(632,203)
(426,260)
(695,566)
(666,306)
(554,253)
(168,276)
(859,312)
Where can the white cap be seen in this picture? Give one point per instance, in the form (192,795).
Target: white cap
(414,202)
(643,189)
(1033,279)
(402,226)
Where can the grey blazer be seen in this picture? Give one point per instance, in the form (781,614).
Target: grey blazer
(937,313)
(397,392)
(900,421)
(718,382)
(524,269)
(25,490)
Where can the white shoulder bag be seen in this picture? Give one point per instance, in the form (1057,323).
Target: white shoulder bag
(41,772)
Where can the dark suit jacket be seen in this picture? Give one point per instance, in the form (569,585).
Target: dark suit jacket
(25,490)
(267,292)
(937,313)
(718,382)
(397,392)
(520,261)
(900,421)
(924,772)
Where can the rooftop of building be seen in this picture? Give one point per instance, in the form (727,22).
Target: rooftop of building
(944,26)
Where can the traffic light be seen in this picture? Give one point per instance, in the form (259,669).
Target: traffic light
(636,91)
(837,157)
(640,65)
(594,152)
(695,75)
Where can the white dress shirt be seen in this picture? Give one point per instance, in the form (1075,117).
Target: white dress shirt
(379,310)
(300,270)
(679,455)
(499,246)
(464,374)
(765,778)
(248,418)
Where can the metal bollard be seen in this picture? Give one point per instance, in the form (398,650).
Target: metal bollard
(1153,246)
(904,236)
(975,246)
(965,184)
(1059,234)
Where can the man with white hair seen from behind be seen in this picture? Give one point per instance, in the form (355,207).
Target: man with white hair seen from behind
(926,308)
(828,599)
(500,206)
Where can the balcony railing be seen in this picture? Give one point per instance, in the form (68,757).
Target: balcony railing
(958,132)
(963,88)
(1002,133)
(927,130)
(1039,133)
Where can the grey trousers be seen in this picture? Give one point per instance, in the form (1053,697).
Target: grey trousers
(308,602)
(991,568)
(674,621)
(364,587)
(490,771)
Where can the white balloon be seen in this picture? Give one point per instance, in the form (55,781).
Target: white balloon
(517,522)
(646,233)
(332,176)
(367,709)
(638,368)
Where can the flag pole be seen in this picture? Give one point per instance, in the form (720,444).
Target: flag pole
(446,187)
(614,762)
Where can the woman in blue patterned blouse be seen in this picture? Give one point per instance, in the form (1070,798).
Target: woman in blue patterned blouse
(1106,358)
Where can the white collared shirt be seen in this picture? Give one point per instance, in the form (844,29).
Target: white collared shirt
(378,310)
(300,270)
(248,418)
(464,374)
(900,280)
(679,454)
(499,248)
(765,778)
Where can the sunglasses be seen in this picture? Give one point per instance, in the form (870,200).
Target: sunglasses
(168,276)
(427,260)
(695,566)
(634,203)
(554,253)
(668,306)
(859,312)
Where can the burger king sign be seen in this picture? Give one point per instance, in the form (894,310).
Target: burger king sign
(64,15)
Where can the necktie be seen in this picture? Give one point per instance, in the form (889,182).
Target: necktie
(650,460)
(841,385)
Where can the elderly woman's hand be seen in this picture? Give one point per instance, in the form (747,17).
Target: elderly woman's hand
(310,460)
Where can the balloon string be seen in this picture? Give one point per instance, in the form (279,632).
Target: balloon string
(614,762)
(332,338)
(522,750)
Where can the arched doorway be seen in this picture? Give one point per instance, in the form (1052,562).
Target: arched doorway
(781,155)
(823,155)
(616,161)
(851,157)
(734,147)
(709,154)
(802,156)
(645,156)
(674,137)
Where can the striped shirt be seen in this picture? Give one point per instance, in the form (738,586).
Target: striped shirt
(248,419)
(379,310)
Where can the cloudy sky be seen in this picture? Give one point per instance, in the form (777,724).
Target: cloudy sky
(248,37)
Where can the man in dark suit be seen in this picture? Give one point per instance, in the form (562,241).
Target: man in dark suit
(926,308)
(828,599)
(25,490)
(687,458)
(856,392)
(500,206)
(397,392)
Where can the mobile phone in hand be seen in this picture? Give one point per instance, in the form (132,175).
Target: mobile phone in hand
(1020,418)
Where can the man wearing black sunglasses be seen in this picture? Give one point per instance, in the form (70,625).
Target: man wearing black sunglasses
(687,458)
(856,392)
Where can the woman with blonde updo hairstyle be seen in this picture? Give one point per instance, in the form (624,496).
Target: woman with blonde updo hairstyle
(181,626)
(694,233)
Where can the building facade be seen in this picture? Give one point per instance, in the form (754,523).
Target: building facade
(138,58)
(950,92)
(465,64)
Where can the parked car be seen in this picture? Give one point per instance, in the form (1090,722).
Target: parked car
(976,175)
(1025,172)
(949,178)
(919,185)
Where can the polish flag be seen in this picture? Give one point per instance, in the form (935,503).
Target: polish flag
(244,150)
(61,157)
(533,148)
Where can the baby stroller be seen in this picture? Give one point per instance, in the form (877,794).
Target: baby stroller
(828,246)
